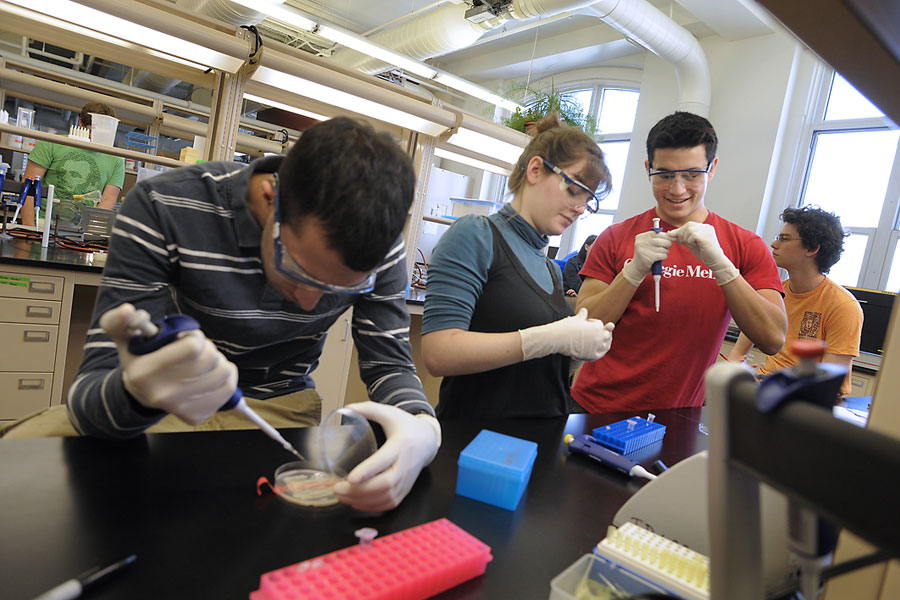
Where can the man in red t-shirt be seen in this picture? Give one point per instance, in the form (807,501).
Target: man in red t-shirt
(712,270)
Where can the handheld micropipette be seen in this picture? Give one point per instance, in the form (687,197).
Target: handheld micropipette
(656,268)
(588,446)
(153,337)
(26,187)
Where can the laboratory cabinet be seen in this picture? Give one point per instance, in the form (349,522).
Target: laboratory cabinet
(30,307)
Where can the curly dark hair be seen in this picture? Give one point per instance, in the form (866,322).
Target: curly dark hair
(818,229)
(682,130)
(357,182)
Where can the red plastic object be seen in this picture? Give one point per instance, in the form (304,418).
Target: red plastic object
(408,565)
(808,348)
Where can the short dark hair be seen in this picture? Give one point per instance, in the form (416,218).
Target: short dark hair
(94,107)
(357,182)
(818,229)
(682,130)
(582,253)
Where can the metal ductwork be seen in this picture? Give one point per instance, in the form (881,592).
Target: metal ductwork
(642,22)
(445,29)
(223,10)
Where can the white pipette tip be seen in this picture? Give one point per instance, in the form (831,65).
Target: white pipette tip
(639,471)
(267,429)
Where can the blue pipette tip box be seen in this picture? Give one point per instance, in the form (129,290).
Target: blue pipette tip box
(618,437)
(495,468)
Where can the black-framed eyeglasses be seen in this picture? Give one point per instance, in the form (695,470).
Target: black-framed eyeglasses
(285,263)
(688,177)
(584,195)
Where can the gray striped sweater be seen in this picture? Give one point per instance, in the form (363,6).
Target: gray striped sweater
(185,241)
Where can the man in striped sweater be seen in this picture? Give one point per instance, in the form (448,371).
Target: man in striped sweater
(265,257)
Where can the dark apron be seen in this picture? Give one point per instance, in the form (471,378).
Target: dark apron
(511,300)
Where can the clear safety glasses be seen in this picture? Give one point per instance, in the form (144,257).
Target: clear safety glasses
(582,194)
(688,177)
(285,263)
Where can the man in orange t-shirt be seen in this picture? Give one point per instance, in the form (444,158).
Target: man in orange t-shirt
(809,244)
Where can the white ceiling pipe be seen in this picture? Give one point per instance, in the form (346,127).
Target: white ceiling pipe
(431,34)
(643,23)
(225,10)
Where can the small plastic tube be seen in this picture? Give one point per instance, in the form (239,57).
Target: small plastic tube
(366,535)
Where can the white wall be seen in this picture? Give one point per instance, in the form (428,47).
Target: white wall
(750,80)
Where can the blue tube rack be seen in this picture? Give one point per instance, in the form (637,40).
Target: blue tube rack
(618,437)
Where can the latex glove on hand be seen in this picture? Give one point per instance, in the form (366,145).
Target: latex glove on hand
(384,479)
(701,240)
(189,377)
(649,247)
(577,337)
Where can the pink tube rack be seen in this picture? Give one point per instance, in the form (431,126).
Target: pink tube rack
(414,563)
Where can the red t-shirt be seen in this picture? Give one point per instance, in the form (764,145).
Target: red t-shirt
(657,360)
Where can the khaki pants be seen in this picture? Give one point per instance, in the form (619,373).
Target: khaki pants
(300,409)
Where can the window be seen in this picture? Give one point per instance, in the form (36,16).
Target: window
(854,172)
(614,110)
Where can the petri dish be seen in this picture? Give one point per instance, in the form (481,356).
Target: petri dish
(298,483)
(332,450)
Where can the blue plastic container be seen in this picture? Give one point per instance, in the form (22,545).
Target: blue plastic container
(618,437)
(495,468)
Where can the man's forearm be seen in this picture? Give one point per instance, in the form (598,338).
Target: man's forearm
(759,314)
(603,301)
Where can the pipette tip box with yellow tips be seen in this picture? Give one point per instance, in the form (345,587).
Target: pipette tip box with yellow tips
(412,564)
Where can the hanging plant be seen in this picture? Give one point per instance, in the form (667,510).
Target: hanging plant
(542,103)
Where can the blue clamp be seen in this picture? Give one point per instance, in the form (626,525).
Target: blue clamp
(820,387)
(169,329)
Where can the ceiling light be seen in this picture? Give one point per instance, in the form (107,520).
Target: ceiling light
(111,25)
(341,99)
(287,107)
(486,145)
(364,46)
(467,87)
(468,160)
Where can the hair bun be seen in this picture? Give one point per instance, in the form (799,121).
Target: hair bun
(551,121)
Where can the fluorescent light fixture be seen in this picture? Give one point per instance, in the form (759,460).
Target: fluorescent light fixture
(102,37)
(467,87)
(116,27)
(472,162)
(277,11)
(361,44)
(341,99)
(286,107)
(486,145)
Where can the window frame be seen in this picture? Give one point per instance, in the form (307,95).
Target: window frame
(882,238)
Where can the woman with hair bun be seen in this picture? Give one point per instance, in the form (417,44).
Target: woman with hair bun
(497,325)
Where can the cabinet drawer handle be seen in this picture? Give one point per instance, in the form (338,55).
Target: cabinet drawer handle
(41,287)
(346,330)
(35,336)
(31,384)
(44,312)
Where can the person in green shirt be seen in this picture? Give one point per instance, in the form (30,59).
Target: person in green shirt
(75,171)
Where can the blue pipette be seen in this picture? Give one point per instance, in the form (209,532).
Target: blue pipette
(590,447)
(656,268)
(154,337)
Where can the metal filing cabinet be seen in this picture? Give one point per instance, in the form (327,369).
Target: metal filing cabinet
(30,308)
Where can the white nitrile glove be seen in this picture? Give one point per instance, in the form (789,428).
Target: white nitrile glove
(701,240)
(649,247)
(382,481)
(189,378)
(577,337)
